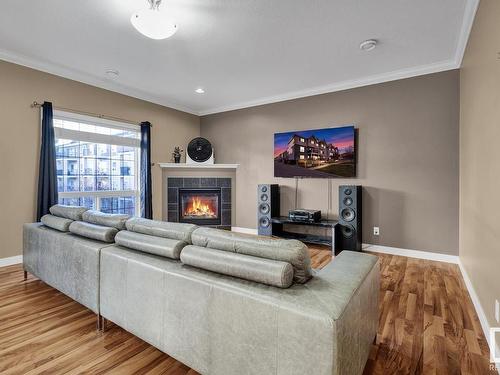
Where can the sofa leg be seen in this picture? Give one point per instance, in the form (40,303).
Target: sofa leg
(25,275)
(104,324)
(99,321)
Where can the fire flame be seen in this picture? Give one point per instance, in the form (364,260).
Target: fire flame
(197,207)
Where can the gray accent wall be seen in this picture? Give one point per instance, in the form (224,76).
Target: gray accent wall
(408,157)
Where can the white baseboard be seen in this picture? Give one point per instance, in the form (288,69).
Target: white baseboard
(11,260)
(419,254)
(244,230)
(479,311)
(385,249)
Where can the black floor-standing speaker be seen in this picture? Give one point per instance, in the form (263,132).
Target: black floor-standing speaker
(348,234)
(268,206)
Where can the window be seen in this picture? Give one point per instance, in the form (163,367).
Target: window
(302,139)
(302,149)
(97,163)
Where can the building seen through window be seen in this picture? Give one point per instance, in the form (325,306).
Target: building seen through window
(97,165)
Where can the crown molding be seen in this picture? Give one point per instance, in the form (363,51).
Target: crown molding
(470,10)
(75,75)
(463,37)
(345,85)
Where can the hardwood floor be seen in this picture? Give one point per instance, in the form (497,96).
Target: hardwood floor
(427,326)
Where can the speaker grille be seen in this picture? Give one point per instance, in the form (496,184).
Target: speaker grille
(347,231)
(268,206)
(264,208)
(347,201)
(348,214)
(264,222)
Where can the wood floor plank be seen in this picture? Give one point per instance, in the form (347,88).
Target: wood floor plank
(427,325)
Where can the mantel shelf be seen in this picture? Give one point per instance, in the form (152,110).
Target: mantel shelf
(197,166)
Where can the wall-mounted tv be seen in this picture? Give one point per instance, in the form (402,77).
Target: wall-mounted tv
(327,153)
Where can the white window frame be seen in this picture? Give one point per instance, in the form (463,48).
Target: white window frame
(103,139)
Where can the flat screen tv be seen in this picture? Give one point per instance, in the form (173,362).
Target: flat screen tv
(327,153)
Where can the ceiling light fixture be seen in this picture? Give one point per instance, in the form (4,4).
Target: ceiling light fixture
(154,23)
(199,90)
(368,45)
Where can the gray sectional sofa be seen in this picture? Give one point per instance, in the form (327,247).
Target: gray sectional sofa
(218,301)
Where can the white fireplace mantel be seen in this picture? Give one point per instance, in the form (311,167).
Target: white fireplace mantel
(186,166)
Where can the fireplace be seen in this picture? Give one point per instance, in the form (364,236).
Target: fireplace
(188,198)
(200,206)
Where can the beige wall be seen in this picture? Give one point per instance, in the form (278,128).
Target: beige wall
(480,157)
(19,140)
(408,156)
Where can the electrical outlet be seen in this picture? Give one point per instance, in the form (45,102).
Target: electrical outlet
(497,311)
(376,231)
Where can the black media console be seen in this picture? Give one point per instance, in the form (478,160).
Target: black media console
(278,231)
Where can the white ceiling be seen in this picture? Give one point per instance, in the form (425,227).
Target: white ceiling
(243,53)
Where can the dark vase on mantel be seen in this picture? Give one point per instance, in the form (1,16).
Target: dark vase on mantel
(176,155)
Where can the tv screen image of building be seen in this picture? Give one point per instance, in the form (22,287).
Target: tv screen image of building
(322,153)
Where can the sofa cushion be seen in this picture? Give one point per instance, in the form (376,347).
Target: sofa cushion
(175,231)
(165,247)
(69,212)
(108,220)
(264,271)
(96,232)
(290,251)
(59,223)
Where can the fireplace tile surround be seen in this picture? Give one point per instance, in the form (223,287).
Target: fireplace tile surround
(175,184)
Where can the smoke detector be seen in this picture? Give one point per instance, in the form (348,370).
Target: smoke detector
(368,45)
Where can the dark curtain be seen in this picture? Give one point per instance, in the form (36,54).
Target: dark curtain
(146,188)
(47,174)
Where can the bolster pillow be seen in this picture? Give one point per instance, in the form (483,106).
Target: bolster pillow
(59,223)
(96,232)
(264,271)
(164,247)
(175,231)
(69,212)
(290,251)
(108,220)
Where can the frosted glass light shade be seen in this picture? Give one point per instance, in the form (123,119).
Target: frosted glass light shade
(153,23)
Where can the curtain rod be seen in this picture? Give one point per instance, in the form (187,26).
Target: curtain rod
(35,104)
